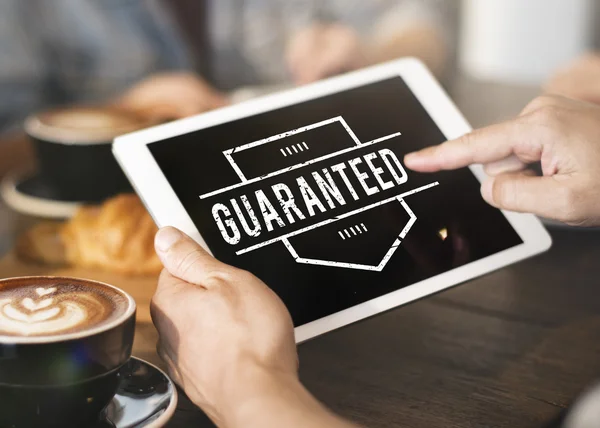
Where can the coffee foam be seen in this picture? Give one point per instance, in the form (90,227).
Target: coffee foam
(83,125)
(57,307)
(87,120)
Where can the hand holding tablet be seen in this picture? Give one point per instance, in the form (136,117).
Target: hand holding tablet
(311,195)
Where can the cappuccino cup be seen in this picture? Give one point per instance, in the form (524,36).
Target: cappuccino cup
(73,150)
(63,345)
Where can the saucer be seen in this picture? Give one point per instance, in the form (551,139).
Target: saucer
(28,194)
(146,398)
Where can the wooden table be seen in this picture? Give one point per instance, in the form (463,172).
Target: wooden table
(511,349)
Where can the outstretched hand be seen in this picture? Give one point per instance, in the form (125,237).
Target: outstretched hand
(322,51)
(171,96)
(560,133)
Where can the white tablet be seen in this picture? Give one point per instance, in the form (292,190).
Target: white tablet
(307,190)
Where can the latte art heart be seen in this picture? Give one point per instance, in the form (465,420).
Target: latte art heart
(45,291)
(54,320)
(47,311)
(33,306)
(46,317)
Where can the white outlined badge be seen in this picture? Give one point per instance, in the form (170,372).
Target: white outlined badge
(287,152)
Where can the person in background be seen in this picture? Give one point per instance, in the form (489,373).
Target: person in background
(168,59)
(244,374)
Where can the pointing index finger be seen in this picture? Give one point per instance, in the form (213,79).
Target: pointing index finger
(483,146)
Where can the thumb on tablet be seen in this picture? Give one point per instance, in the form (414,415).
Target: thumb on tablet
(184,258)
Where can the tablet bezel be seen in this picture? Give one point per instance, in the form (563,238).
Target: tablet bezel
(161,201)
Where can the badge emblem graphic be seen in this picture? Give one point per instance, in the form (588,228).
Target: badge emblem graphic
(324,206)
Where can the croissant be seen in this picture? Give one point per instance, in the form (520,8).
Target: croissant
(116,236)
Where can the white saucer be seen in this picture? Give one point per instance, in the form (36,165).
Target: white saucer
(146,398)
(29,195)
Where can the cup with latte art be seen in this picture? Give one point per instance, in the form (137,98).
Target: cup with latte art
(63,344)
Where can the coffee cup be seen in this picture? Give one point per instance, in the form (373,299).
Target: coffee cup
(73,149)
(63,345)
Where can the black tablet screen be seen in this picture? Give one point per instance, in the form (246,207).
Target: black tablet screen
(315,201)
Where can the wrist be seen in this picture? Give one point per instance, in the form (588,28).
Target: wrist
(248,385)
(269,398)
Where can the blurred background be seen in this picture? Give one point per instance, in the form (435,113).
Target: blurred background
(166,59)
(74,74)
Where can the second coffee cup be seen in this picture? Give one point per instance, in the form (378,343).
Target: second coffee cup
(73,148)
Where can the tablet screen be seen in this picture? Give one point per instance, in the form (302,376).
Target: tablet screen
(314,199)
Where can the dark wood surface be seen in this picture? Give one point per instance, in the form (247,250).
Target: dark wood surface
(511,349)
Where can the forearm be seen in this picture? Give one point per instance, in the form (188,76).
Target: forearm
(15,153)
(420,41)
(273,401)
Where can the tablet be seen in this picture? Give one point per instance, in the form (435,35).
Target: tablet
(307,190)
